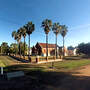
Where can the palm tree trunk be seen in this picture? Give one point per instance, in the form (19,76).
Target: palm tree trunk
(15,50)
(1,49)
(20,50)
(24,47)
(56,46)
(63,48)
(29,49)
(46,46)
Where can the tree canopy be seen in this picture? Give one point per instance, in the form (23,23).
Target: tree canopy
(84,48)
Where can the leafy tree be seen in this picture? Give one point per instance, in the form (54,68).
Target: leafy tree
(56,29)
(24,49)
(70,48)
(47,24)
(84,48)
(0,50)
(5,48)
(14,48)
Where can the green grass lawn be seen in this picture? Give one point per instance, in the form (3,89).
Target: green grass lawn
(71,64)
(67,64)
(7,61)
(2,64)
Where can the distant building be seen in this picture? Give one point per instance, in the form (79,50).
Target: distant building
(27,52)
(40,49)
(65,51)
(72,51)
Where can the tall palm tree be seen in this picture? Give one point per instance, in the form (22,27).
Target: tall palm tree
(23,30)
(14,35)
(56,29)
(30,27)
(63,34)
(19,36)
(47,24)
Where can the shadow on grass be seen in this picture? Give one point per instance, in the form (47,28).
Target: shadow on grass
(86,56)
(23,67)
(21,60)
(77,57)
(37,78)
(73,58)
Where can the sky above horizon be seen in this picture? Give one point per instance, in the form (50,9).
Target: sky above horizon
(73,13)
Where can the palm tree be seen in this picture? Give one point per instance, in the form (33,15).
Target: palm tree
(14,35)
(47,24)
(19,36)
(63,34)
(23,30)
(56,29)
(30,27)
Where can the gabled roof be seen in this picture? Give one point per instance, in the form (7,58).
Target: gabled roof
(43,45)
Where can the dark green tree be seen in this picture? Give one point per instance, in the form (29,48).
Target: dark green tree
(0,50)
(24,49)
(70,48)
(5,48)
(14,48)
(84,48)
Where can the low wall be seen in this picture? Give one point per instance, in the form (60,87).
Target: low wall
(37,59)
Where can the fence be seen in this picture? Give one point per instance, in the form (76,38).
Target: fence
(38,59)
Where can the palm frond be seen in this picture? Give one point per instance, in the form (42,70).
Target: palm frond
(64,30)
(30,27)
(56,28)
(47,24)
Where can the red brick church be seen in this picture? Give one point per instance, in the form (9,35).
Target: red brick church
(40,49)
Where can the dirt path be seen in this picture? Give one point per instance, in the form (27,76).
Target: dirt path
(79,80)
(83,71)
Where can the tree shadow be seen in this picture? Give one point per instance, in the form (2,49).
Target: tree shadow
(73,58)
(77,57)
(86,56)
(36,78)
(19,59)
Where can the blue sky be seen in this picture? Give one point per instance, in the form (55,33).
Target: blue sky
(73,13)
